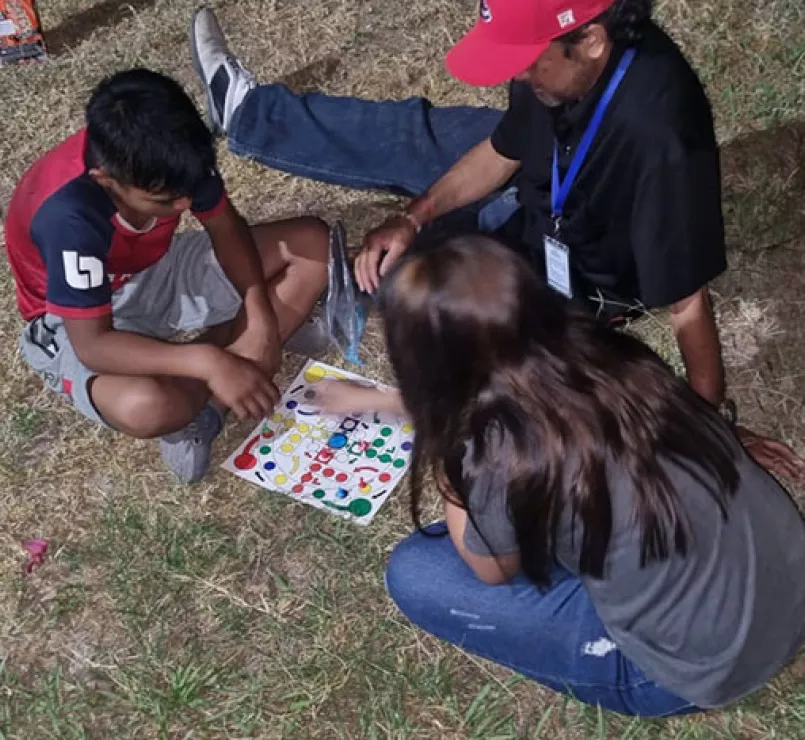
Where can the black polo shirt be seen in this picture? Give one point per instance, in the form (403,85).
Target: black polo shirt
(643,220)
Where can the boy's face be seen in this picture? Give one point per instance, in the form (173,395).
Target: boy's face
(142,202)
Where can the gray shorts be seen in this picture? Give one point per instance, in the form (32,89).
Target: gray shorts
(185,291)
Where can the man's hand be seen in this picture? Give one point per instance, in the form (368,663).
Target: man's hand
(241,385)
(382,247)
(776,457)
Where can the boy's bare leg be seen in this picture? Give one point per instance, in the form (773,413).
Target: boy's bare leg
(294,255)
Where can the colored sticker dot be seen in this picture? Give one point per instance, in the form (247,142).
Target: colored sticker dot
(277,418)
(399,463)
(292,404)
(269,466)
(407,446)
(384,477)
(297,438)
(314,374)
(304,428)
(360,507)
(386,431)
(379,442)
(366,489)
(265,450)
(298,488)
(287,448)
(371,453)
(328,472)
(267,433)
(307,477)
(341,477)
(385,459)
(341,493)
(288,423)
(407,428)
(315,467)
(281,480)
(318,493)
(337,441)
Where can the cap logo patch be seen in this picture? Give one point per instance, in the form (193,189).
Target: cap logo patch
(484,12)
(566,19)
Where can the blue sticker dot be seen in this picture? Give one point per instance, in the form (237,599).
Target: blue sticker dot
(292,404)
(341,493)
(270,466)
(337,441)
(407,446)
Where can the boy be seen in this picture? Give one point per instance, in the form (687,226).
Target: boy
(103,281)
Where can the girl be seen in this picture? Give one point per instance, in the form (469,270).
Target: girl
(650,566)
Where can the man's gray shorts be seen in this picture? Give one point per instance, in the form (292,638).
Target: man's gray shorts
(185,291)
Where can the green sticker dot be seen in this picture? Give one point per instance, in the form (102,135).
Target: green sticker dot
(386,431)
(379,442)
(399,463)
(385,458)
(265,450)
(360,507)
(318,493)
(371,453)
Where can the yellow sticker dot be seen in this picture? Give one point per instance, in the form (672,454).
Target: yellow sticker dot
(281,480)
(314,374)
(277,418)
(407,428)
(287,448)
(304,428)
(365,489)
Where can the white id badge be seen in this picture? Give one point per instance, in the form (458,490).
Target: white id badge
(557,266)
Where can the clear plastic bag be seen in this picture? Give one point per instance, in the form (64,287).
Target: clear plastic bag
(345,309)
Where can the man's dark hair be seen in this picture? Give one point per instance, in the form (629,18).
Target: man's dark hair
(144,130)
(623,21)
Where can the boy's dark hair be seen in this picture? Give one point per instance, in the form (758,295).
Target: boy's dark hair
(624,22)
(144,130)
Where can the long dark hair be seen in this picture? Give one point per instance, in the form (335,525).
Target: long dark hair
(485,353)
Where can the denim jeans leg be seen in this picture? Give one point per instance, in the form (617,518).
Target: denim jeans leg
(398,146)
(553,636)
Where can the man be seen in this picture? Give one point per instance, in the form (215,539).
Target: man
(608,137)
(103,281)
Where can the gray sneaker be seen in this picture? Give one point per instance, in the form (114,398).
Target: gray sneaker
(186,453)
(226,81)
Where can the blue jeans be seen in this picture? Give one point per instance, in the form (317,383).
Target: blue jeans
(398,146)
(553,637)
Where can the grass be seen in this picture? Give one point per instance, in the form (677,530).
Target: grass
(220,611)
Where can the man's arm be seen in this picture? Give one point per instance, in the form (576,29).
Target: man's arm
(238,255)
(694,327)
(477,174)
(481,171)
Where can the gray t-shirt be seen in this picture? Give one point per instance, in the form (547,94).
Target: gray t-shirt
(710,627)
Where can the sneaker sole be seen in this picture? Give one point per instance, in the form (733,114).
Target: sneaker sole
(217,129)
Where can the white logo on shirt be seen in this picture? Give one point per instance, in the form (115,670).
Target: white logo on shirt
(566,19)
(81,272)
(484,11)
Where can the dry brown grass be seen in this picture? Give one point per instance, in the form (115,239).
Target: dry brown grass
(220,611)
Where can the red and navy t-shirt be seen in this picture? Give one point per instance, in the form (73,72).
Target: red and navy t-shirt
(69,248)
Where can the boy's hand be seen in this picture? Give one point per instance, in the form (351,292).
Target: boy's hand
(242,386)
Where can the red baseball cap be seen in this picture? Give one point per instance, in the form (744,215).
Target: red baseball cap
(510,35)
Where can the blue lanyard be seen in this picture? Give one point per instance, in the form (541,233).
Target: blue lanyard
(560,191)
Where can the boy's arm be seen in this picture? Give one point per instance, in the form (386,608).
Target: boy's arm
(237,382)
(239,257)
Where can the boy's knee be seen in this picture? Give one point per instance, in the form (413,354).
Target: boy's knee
(314,242)
(146,410)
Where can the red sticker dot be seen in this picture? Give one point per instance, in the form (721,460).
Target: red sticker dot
(268,434)
(328,472)
(315,467)
(384,477)
(341,477)
(298,488)
(307,477)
